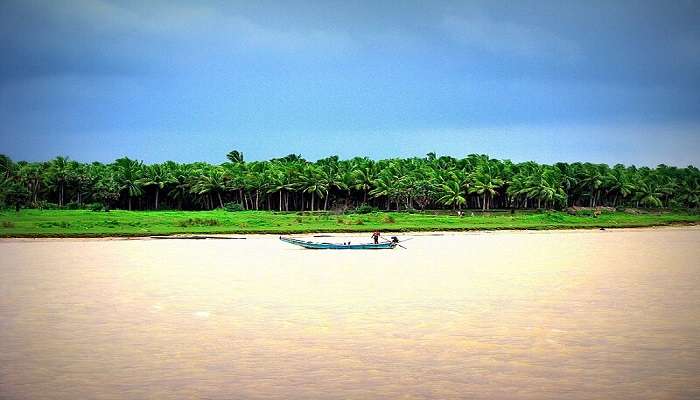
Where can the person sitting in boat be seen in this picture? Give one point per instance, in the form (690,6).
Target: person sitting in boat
(375,236)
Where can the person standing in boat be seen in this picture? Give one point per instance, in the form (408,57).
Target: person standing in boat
(375,236)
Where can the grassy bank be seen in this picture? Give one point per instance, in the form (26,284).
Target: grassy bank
(82,223)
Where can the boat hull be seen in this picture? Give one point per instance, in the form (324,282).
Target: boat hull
(338,246)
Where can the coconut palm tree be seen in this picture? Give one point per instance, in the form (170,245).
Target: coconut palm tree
(690,192)
(211,181)
(291,182)
(106,188)
(451,194)
(181,183)
(648,194)
(313,182)
(235,156)
(366,172)
(128,175)
(591,180)
(155,176)
(58,175)
(484,183)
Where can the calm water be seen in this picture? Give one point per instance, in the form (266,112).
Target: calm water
(549,315)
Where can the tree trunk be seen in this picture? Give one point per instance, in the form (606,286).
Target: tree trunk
(280,200)
(313,196)
(157,192)
(483,206)
(221,203)
(325,202)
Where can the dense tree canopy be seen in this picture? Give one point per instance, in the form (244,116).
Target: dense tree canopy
(292,183)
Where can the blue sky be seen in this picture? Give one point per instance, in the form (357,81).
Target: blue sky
(597,81)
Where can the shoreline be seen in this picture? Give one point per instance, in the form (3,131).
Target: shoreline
(244,236)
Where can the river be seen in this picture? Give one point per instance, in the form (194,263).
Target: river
(493,315)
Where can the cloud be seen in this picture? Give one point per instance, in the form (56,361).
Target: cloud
(98,37)
(508,38)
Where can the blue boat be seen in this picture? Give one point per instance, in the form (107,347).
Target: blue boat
(339,246)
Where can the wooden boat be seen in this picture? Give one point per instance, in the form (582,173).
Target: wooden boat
(339,246)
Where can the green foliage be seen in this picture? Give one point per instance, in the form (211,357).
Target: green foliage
(54,224)
(95,207)
(387,219)
(45,205)
(233,207)
(73,206)
(235,156)
(292,183)
(365,209)
(584,213)
(197,222)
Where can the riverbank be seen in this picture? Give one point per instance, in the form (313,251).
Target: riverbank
(83,223)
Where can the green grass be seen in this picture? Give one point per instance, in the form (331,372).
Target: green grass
(82,223)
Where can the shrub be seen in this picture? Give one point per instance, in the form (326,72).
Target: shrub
(45,205)
(387,219)
(365,209)
(95,207)
(197,222)
(8,224)
(62,224)
(584,213)
(73,206)
(233,207)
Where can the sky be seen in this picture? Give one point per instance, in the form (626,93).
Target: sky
(599,81)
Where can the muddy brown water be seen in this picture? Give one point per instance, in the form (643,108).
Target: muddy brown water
(503,315)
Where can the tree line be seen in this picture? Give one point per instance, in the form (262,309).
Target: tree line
(292,183)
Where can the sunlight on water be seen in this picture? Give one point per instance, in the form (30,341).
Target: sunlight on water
(531,315)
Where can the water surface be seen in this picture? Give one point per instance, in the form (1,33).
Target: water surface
(509,315)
